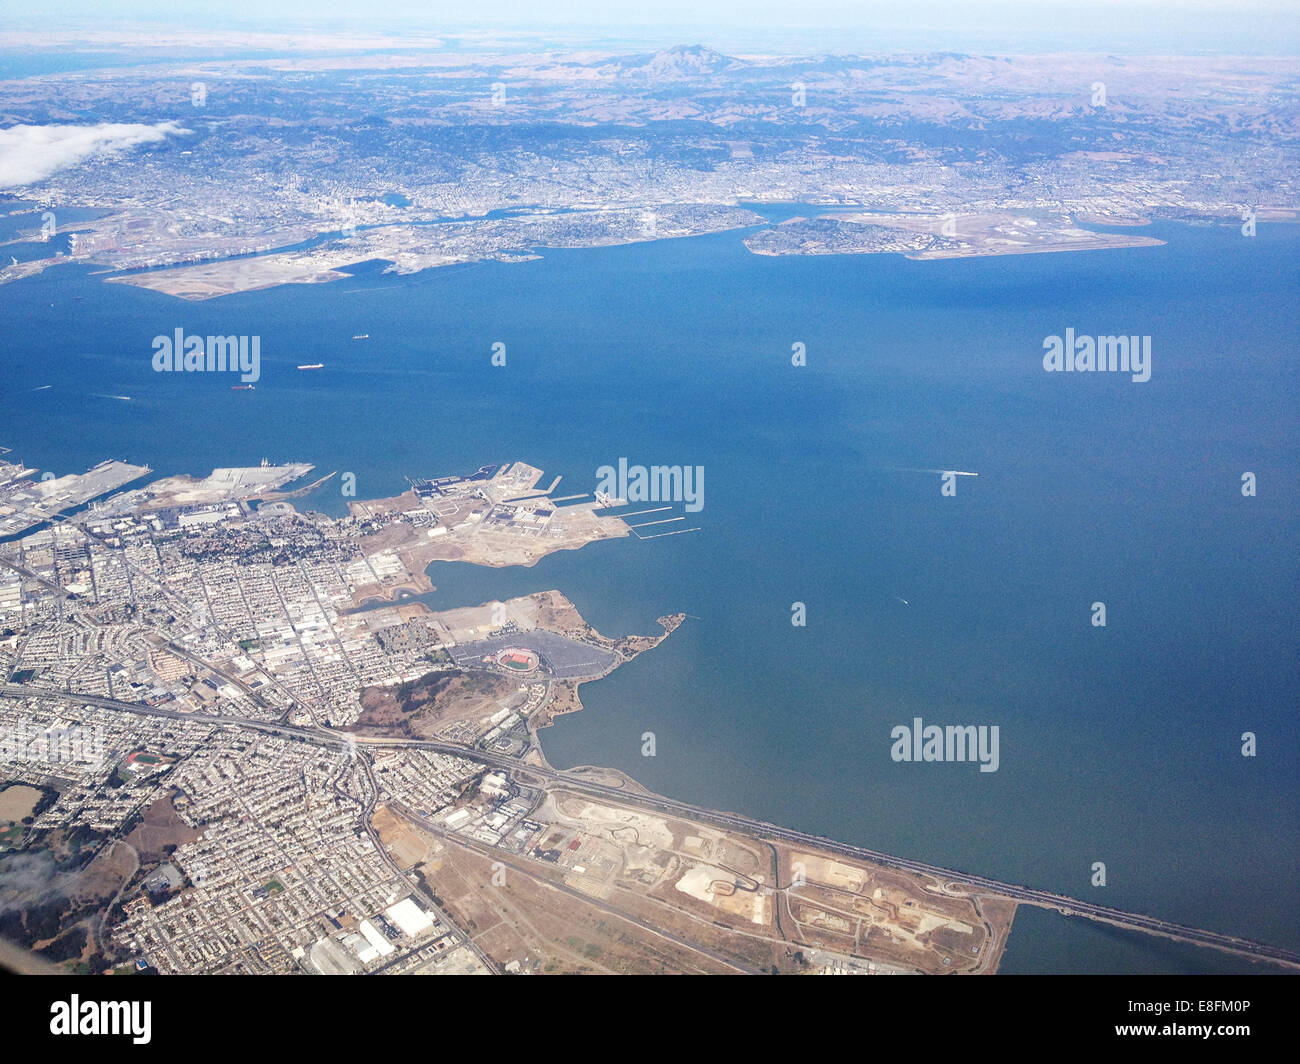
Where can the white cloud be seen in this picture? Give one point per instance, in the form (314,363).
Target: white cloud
(32,153)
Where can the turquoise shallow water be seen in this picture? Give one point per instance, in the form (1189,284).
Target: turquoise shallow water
(1118,745)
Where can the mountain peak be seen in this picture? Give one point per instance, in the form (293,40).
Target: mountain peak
(686,60)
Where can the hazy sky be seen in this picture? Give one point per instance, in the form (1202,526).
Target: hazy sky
(1007,25)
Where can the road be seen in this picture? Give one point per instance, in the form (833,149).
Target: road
(367,820)
(761,829)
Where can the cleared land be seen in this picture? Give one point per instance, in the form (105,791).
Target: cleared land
(602,887)
(17,801)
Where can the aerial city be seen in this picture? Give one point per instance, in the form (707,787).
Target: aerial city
(362,606)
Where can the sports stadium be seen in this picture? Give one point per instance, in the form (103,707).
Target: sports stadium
(517,659)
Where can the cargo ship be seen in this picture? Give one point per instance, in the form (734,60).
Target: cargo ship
(362,336)
(314,365)
(241,387)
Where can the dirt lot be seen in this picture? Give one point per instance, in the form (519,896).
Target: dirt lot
(895,917)
(161,826)
(17,801)
(408,845)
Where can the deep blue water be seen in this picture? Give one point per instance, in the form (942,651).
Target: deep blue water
(1119,745)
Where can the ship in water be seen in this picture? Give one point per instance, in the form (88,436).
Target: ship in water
(362,336)
(241,387)
(313,365)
